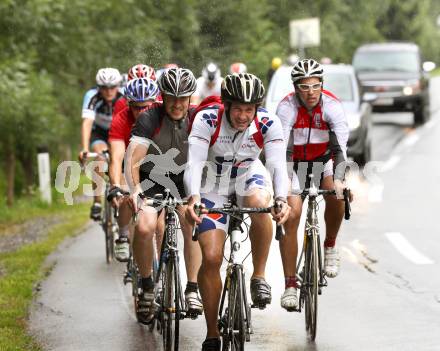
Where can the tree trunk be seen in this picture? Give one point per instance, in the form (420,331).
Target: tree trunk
(27,162)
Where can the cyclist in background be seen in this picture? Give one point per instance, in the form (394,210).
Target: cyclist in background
(139,93)
(237,67)
(97,112)
(208,84)
(275,64)
(228,138)
(316,133)
(159,143)
(137,71)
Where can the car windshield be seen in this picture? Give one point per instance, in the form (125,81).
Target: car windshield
(339,84)
(400,61)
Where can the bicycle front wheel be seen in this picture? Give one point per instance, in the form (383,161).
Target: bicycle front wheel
(171,309)
(311,285)
(235,333)
(108,230)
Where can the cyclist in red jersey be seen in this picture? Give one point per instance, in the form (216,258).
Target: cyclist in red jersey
(316,133)
(137,71)
(139,93)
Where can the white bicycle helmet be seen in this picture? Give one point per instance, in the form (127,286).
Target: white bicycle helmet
(211,72)
(306,68)
(178,82)
(108,77)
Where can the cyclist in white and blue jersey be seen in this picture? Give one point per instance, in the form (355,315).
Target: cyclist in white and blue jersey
(97,111)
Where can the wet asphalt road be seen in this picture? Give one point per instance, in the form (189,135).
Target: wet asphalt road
(387,296)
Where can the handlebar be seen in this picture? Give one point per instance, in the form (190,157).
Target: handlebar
(347,195)
(235,210)
(105,154)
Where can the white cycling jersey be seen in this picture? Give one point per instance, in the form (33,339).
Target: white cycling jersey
(317,134)
(231,153)
(203,91)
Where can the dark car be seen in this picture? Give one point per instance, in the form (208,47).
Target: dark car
(395,73)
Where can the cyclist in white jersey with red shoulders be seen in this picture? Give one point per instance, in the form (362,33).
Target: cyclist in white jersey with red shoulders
(316,133)
(228,138)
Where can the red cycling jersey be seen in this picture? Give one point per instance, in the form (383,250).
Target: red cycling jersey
(121,126)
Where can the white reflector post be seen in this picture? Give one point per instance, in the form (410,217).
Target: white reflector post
(44,177)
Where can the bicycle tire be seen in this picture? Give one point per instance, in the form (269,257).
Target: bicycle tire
(240,322)
(107,226)
(311,295)
(248,310)
(234,335)
(170,312)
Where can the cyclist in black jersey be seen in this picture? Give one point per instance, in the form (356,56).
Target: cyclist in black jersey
(159,145)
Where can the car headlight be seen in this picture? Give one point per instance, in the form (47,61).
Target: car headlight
(411,87)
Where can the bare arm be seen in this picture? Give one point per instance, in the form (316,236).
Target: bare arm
(86,130)
(117,151)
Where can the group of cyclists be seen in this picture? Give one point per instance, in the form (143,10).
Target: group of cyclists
(206,139)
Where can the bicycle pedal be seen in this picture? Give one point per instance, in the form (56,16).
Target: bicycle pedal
(193,314)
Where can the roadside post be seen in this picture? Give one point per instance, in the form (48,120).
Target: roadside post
(44,175)
(304,33)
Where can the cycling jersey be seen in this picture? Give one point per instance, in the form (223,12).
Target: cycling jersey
(96,108)
(320,134)
(204,91)
(230,153)
(121,126)
(167,141)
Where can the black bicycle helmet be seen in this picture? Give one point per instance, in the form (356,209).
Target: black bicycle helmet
(242,87)
(178,82)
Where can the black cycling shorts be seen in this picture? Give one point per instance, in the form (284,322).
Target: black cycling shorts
(156,185)
(98,135)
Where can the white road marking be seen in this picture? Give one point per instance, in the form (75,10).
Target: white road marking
(390,164)
(406,249)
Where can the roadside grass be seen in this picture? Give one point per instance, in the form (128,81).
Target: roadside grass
(26,208)
(21,270)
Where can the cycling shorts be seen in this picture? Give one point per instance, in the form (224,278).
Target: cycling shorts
(98,135)
(256,177)
(300,180)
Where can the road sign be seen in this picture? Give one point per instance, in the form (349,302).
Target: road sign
(304,33)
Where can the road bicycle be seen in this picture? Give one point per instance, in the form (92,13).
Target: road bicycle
(310,275)
(108,214)
(170,305)
(235,323)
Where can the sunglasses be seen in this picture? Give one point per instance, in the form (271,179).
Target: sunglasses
(309,87)
(138,107)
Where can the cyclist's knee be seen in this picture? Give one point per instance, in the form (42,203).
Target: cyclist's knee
(146,227)
(212,258)
(257,198)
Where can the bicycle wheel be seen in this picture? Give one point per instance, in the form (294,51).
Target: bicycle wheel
(108,231)
(234,335)
(311,286)
(170,312)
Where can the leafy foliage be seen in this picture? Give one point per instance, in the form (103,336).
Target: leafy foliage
(50,50)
